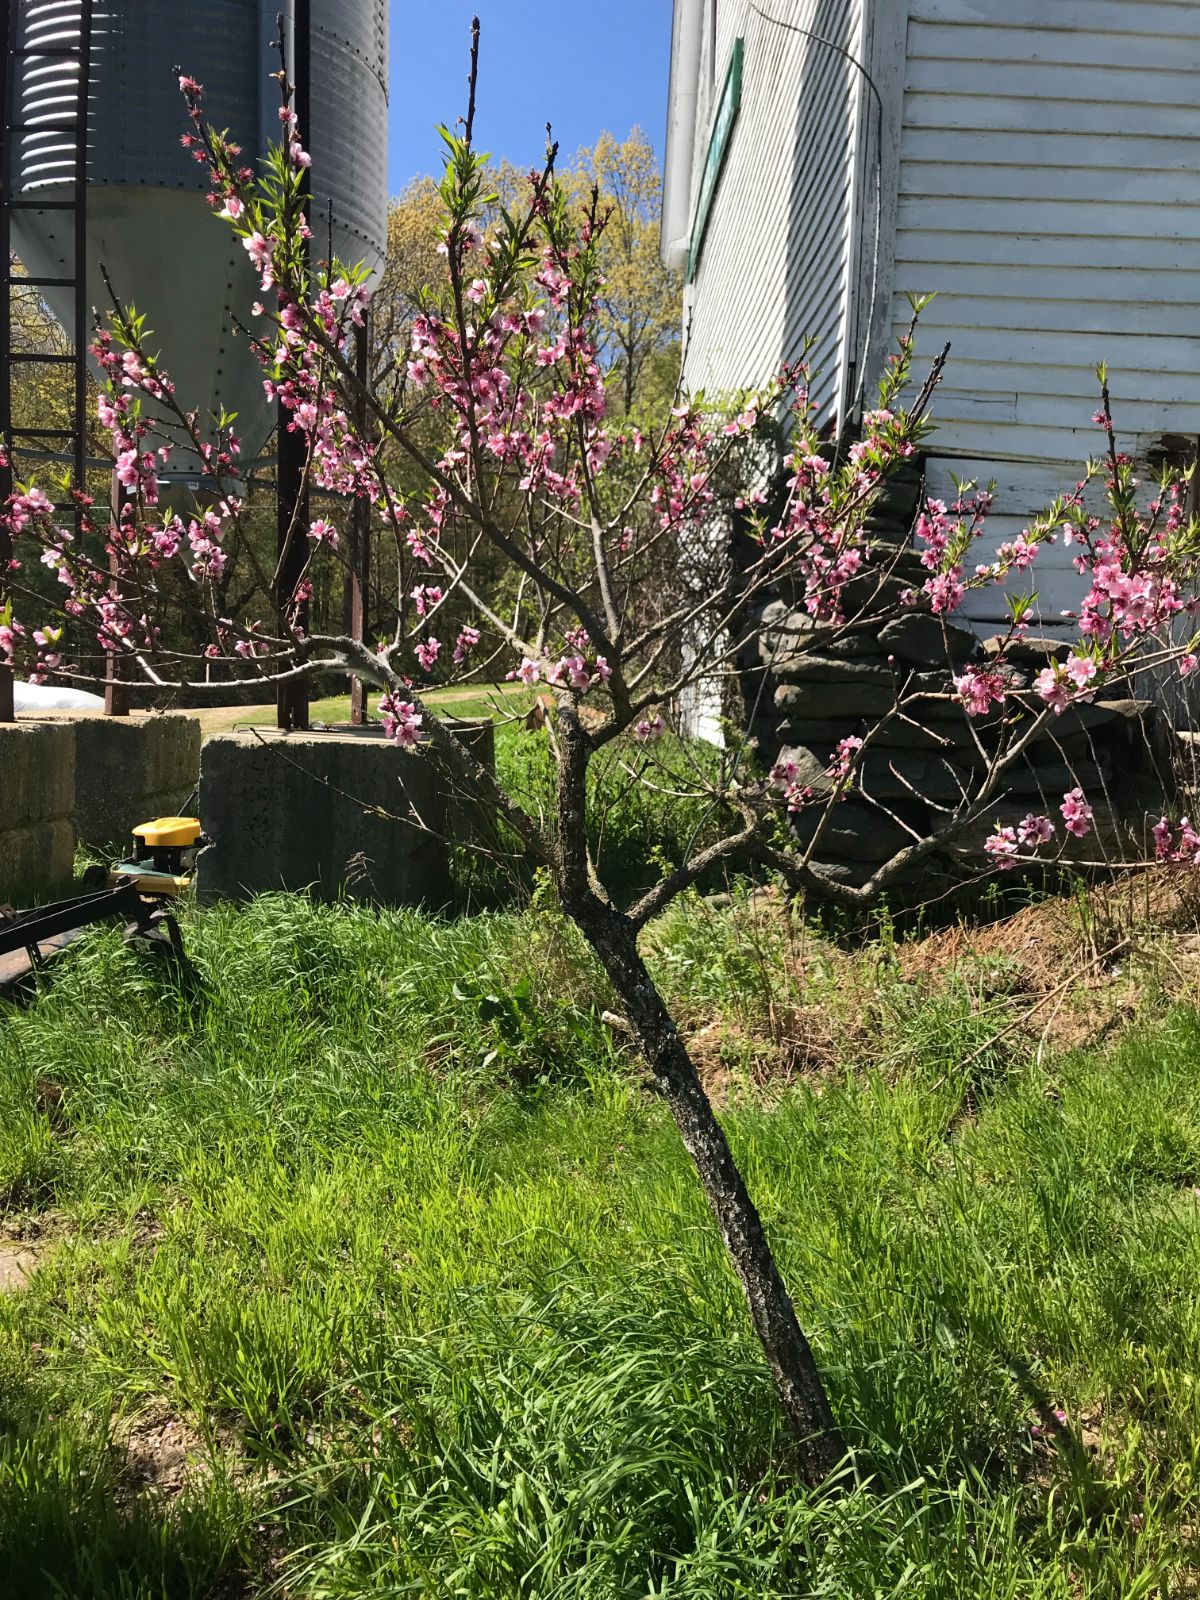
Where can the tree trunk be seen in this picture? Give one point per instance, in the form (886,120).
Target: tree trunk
(797,1378)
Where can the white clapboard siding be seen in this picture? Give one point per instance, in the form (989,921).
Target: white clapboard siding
(1049,196)
(1022,491)
(776,262)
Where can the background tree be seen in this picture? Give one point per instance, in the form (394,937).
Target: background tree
(639,301)
(411,265)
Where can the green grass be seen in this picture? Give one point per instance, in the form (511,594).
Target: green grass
(458,700)
(385,1217)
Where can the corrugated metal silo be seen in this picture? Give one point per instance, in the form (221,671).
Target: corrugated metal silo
(147,220)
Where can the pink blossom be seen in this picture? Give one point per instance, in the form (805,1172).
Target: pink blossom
(1081,670)
(427,653)
(1188,665)
(1001,846)
(843,757)
(401,721)
(978,689)
(649,728)
(259,249)
(945,591)
(322,532)
(1053,690)
(468,638)
(1035,830)
(476,290)
(1076,813)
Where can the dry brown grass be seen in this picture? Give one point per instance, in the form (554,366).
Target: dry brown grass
(1065,973)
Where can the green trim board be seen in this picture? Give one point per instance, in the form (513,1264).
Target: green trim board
(727,109)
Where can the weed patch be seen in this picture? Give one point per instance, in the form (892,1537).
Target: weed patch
(381,1270)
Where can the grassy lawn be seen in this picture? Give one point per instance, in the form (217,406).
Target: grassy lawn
(376,1268)
(460,700)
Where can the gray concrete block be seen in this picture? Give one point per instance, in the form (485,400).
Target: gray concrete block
(129,769)
(338,813)
(37,803)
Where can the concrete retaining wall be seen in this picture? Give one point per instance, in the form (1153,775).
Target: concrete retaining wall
(332,812)
(78,776)
(37,806)
(129,769)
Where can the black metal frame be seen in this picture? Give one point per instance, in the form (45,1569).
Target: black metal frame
(15,49)
(25,930)
(148,920)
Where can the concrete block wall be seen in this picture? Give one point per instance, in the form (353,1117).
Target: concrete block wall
(69,777)
(37,810)
(130,769)
(331,812)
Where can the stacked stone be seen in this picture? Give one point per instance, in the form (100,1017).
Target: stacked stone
(812,685)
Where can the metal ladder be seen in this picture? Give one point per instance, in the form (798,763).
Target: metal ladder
(17,50)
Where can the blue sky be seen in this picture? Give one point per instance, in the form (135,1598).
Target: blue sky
(582,65)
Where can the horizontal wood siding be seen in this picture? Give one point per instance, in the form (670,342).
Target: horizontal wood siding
(775,259)
(1049,193)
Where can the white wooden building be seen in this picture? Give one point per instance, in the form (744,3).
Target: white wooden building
(1036,163)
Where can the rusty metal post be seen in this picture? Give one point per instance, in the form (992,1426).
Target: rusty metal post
(7,89)
(116,690)
(291,698)
(360,541)
(292,514)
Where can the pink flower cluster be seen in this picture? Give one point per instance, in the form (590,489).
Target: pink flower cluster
(401,721)
(1004,846)
(844,756)
(785,776)
(1179,843)
(648,728)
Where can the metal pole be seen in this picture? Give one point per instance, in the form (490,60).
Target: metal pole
(116,690)
(7,91)
(291,699)
(81,294)
(360,541)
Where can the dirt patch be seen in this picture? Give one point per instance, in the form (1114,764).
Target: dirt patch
(1029,952)
(804,1042)
(18,1262)
(1062,974)
(162,1452)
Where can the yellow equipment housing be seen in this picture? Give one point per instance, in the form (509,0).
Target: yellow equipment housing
(163,856)
(168,832)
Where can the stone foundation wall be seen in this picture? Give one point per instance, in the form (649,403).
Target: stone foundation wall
(811,686)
